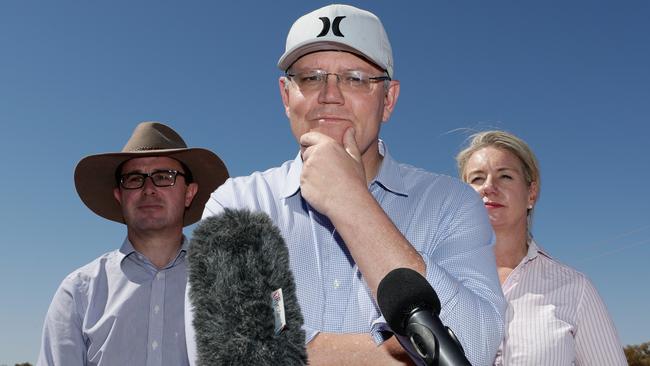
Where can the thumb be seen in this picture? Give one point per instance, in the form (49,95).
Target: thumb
(350,144)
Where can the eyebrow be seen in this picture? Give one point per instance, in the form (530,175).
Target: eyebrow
(499,170)
(140,171)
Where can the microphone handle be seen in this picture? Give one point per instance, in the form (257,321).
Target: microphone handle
(435,343)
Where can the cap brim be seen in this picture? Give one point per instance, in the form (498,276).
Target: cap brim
(94,179)
(307,47)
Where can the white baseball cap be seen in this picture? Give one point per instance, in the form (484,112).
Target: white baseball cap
(341,28)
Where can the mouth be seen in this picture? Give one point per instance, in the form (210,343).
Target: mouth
(150,206)
(330,120)
(490,205)
(332,126)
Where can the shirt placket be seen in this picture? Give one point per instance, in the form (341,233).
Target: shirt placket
(338,286)
(509,285)
(156,317)
(336,282)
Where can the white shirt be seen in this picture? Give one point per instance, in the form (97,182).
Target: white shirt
(555,317)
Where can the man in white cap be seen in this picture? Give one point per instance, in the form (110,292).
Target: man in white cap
(350,213)
(126,307)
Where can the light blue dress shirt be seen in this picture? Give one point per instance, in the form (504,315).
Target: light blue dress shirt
(118,310)
(442,218)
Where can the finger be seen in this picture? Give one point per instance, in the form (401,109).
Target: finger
(306,153)
(311,138)
(350,144)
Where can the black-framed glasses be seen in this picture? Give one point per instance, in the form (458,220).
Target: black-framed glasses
(159,178)
(348,81)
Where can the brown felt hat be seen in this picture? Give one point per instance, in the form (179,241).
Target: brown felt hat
(94,176)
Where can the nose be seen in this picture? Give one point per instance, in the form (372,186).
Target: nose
(148,186)
(331,93)
(488,187)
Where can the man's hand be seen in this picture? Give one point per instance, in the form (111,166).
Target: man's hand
(333,175)
(333,181)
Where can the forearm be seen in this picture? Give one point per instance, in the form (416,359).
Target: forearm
(354,349)
(374,242)
(463,274)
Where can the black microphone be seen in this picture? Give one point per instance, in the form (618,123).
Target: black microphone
(411,307)
(236,261)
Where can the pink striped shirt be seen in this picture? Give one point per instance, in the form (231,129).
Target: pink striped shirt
(555,317)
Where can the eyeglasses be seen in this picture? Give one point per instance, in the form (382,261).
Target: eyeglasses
(159,178)
(348,81)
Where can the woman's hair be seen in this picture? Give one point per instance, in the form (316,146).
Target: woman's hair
(506,141)
(502,140)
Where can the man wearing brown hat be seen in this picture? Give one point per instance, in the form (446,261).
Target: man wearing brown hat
(350,213)
(126,307)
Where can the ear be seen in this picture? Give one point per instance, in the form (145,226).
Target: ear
(533,190)
(117,195)
(390,99)
(283,83)
(190,192)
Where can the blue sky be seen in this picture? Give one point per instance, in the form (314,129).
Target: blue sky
(571,78)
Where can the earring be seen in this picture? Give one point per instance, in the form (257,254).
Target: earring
(530,207)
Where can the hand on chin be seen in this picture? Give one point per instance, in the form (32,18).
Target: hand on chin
(332,173)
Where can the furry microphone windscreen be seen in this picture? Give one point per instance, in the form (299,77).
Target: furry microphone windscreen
(236,261)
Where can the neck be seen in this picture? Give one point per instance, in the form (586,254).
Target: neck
(159,247)
(511,247)
(371,160)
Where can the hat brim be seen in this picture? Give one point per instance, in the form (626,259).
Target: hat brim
(309,46)
(94,179)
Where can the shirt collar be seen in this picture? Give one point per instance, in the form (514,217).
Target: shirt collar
(388,175)
(534,249)
(127,249)
(292,183)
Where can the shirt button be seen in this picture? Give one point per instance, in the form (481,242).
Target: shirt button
(154,345)
(156,309)
(337,284)
(160,275)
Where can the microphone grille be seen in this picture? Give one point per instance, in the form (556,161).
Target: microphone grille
(402,291)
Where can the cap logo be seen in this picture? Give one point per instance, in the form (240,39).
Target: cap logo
(335,26)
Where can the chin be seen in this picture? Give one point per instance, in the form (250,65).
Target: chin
(151,224)
(498,224)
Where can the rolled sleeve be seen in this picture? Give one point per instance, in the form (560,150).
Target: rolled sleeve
(462,271)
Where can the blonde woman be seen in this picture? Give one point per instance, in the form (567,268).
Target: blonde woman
(555,315)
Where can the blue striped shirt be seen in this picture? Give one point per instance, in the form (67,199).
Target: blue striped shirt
(441,217)
(118,310)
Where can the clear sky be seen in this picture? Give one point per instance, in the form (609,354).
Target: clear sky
(572,78)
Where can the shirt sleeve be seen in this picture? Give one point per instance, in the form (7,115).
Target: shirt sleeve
(462,270)
(310,333)
(62,341)
(596,338)
(212,207)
